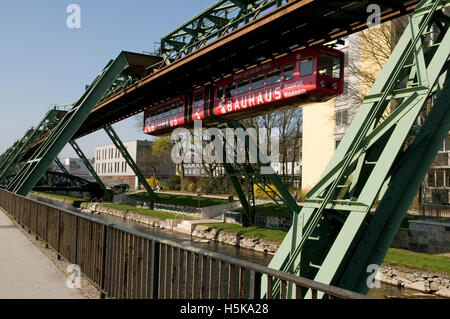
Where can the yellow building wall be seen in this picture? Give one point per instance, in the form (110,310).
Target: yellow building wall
(318,119)
(318,141)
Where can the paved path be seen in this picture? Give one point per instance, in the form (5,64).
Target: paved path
(25,272)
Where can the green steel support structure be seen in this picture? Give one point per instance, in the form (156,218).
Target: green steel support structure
(107,193)
(61,166)
(260,174)
(88,164)
(47,152)
(219,19)
(126,155)
(10,165)
(336,237)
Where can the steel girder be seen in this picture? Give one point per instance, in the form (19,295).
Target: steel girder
(222,17)
(336,237)
(48,150)
(260,174)
(126,155)
(17,153)
(87,163)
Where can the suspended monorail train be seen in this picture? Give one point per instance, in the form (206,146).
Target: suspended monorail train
(308,76)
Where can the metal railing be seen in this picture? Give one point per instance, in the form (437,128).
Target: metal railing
(123,263)
(434,211)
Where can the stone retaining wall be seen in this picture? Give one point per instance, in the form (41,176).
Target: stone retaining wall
(424,281)
(168,224)
(260,245)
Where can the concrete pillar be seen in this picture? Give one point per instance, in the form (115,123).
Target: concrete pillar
(318,141)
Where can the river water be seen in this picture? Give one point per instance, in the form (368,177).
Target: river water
(385,291)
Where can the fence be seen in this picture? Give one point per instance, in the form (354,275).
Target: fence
(434,211)
(124,263)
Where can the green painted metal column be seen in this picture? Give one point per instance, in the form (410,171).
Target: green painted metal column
(336,237)
(87,163)
(66,128)
(122,149)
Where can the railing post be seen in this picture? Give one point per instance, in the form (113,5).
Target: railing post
(58,239)
(46,227)
(75,258)
(103,269)
(154,270)
(37,222)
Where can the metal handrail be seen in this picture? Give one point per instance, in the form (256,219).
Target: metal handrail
(298,282)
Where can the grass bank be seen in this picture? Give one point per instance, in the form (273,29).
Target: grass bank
(147,212)
(417,260)
(66,197)
(261,233)
(181,200)
(270,210)
(394,256)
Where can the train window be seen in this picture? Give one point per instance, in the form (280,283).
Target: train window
(288,71)
(220,92)
(306,66)
(198,100)
(243,86)
(258,81)
(329,66)
(274,76)
(230,90)
(180,107)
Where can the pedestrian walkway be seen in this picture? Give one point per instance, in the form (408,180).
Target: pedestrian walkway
(25,272)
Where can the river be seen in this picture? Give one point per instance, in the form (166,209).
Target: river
(385,291)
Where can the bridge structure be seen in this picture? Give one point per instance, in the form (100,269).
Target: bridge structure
(335,236)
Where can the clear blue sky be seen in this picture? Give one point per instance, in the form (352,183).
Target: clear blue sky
(43,62)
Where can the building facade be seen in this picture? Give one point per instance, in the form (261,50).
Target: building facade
(75,167)
(113,169)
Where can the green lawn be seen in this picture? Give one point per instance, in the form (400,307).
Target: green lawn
(418,260)
(147,212)
(271,210)
(67,197)
(261,233)
(181,200)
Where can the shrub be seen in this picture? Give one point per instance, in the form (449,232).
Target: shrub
(173,183)
(215,185)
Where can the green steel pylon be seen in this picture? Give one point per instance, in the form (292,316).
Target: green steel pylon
(336,236)
(267,181)
(88,164)
(123,150)
(36,166)
(18,152)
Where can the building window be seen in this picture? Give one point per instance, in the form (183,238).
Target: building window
(345,92)
(341,117)
(439,178)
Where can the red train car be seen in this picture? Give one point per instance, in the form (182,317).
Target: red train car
(308,76)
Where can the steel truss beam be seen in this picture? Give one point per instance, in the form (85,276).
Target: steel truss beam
(47,152)
(87,163)
(16,154)
(336,237)
(222,17)
(126,155)
(260,174)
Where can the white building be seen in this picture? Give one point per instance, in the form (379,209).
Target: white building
(112,168)
(75,167)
